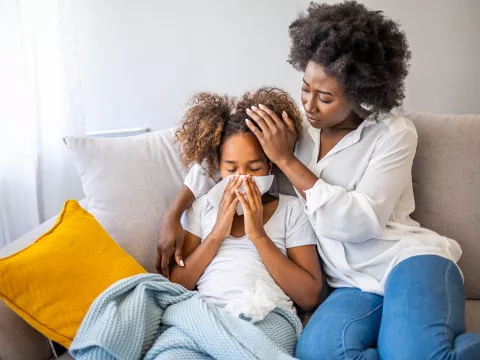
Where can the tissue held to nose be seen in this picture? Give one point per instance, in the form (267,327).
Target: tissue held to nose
(264,183)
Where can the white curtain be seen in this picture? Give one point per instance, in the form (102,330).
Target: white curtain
(40,102)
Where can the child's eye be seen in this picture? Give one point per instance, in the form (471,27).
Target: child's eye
(255,169)
(231,170)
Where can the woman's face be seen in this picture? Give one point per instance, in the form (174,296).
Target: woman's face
(242,153)
(323,98)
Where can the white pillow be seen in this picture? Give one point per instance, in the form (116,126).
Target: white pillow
(129,182)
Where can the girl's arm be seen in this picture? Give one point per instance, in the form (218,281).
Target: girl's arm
(299,275)
(199,254)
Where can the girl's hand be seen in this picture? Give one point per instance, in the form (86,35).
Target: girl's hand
(277,136)
(253,210)
(226,210)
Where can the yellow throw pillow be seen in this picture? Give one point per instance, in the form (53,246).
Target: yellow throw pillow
(52,283)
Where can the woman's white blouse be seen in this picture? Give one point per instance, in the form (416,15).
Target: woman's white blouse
(360,207)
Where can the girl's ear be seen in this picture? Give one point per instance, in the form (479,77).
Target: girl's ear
(270,166)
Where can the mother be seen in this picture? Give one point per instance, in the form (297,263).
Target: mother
(398,292)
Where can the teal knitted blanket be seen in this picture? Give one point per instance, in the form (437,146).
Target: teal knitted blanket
(146,316)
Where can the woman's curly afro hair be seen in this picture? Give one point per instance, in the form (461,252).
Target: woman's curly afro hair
(213,118)
(364,50)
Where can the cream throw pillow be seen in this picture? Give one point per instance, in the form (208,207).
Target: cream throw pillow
(129,182)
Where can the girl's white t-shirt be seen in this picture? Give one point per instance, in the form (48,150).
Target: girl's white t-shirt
(238,266)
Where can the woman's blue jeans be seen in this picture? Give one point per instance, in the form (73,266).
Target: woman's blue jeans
(421,316)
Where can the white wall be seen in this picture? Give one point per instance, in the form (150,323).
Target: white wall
(444,37)
(141,60)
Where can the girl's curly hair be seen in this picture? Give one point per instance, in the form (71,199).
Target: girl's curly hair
(213,118)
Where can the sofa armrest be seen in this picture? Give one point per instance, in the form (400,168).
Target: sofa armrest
(27,239)
(18,340)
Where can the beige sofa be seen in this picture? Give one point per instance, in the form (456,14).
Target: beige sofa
(446,178)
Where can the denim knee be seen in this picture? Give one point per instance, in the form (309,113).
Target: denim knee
(318,342)
(344,327)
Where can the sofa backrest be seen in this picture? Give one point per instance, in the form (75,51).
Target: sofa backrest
(446,182)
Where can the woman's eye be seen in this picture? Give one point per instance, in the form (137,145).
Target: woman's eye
(326,101)
(304,90)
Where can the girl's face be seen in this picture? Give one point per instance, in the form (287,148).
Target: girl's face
(242,153)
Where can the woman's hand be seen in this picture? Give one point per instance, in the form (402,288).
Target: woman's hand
(226,210)
(277,136)
(170,237)
(253,210)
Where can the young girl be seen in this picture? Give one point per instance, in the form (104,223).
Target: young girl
(269,252)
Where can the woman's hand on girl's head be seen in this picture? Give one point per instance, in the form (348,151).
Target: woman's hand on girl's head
(277,136)
(253,209)
(226,210)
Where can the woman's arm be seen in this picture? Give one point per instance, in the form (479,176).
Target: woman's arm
(299,175)
(362,214)
(338,214)
(300,274)
(170,234)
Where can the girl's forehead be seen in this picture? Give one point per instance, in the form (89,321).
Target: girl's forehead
(245,146)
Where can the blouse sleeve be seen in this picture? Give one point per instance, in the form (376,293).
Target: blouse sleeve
(299,229)
(198,181)
(360,215)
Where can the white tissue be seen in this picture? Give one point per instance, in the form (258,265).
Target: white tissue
(255,304)
(264,183)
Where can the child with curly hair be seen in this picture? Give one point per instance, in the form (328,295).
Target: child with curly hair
(266,255)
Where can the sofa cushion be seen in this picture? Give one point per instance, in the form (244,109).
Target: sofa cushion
(18,340)
(472,315)
(446,181)
(129,182)
(66,356)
